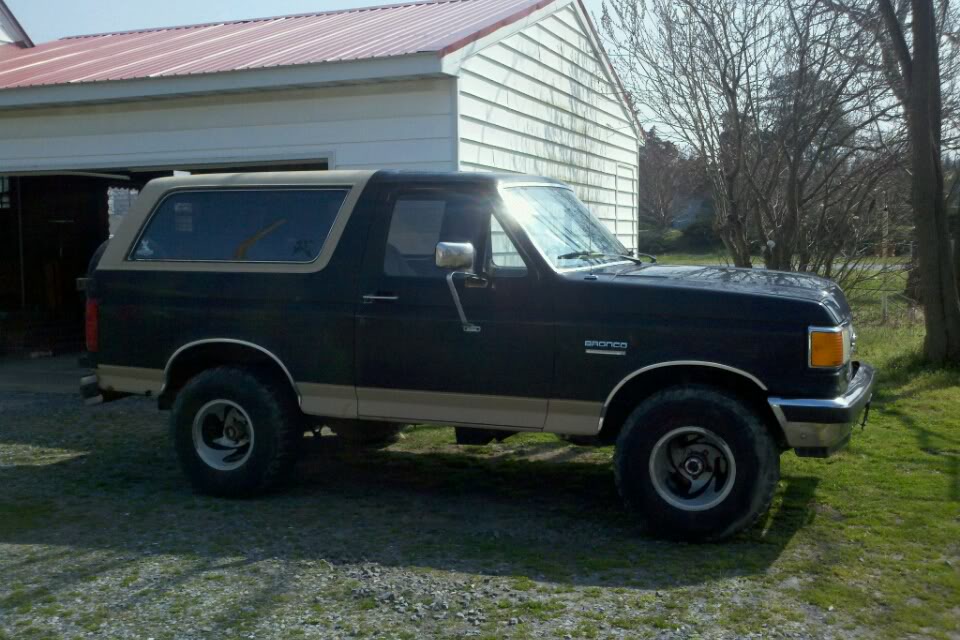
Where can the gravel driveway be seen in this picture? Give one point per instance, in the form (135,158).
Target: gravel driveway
(100,536)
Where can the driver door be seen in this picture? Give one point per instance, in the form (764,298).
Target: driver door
(416,360)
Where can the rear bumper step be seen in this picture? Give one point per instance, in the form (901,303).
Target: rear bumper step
(90,390)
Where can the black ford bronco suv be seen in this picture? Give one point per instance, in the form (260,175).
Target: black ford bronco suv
(257,307)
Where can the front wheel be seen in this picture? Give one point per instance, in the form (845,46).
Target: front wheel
(234,431)
(695,463)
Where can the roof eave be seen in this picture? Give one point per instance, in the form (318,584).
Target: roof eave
(456,52)
(612,74)
(418,65)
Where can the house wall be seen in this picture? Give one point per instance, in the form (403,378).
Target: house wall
(389,125)
(540,102)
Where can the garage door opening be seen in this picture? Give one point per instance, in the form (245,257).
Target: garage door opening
(51,225)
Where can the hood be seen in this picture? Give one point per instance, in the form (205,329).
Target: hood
(786,284)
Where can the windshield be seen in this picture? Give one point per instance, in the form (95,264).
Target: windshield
(562,228)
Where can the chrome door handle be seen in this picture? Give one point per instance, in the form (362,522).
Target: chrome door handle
(370,298)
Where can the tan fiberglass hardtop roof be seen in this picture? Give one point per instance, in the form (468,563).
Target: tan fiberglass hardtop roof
(114,258)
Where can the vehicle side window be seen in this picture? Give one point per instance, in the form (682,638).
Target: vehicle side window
(243,225)
(418,222)
(505,259)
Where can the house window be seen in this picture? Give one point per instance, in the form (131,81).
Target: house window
(5,200)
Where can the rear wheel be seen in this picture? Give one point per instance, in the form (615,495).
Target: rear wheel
(234,431)
(695,463)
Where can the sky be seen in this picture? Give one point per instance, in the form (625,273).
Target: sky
(48,20)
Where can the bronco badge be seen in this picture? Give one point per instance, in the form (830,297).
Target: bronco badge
(606,347)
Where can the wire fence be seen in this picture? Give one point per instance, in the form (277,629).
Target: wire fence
(883,300)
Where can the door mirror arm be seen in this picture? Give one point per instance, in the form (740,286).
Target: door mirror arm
(473,280)
(468,327)
(458,257)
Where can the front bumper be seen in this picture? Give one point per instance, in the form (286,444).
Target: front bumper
(818,427)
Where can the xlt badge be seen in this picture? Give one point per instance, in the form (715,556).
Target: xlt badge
(606,347)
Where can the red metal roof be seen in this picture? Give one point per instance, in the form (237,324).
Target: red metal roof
(439,26)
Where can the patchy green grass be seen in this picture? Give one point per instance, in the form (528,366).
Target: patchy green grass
(870,538)
(718,256)
(109,540)
(22,516)
(888,540)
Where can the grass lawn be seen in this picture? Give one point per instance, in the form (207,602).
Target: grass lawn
(719,256)
(708,258)
(99,535)
(885,544)
(869,538)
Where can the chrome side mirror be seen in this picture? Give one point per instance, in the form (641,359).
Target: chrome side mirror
(457,256)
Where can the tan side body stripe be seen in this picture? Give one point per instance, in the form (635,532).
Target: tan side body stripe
(130,379)
(572,417)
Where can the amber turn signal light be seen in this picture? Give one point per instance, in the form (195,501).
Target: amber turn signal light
(828,348)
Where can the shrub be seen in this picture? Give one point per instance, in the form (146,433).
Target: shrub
(655,241)
(700,235)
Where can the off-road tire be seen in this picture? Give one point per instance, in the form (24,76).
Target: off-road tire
(753,447)
(276,421)
(359,433)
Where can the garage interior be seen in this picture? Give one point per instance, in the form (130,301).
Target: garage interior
(50,226)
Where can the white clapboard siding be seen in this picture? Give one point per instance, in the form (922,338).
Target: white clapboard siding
(392,124)
(626,209)
(540,101)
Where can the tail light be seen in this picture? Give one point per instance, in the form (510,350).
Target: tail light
(93,326)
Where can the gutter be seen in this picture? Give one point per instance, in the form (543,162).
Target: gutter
(407,67)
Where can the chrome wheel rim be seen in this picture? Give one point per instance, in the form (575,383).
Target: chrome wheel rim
(692,468)
(223,435)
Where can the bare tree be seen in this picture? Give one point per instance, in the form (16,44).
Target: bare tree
(916,48)
(666,176)
(771,95)
(688,67)
(917,79)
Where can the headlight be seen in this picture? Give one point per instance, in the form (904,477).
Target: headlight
(830,347)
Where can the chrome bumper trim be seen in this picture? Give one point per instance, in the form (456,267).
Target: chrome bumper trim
(820,426)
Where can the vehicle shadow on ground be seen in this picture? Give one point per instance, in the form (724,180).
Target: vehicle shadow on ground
(555,519)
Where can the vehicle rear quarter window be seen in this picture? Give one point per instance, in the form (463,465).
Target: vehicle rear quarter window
(243,225)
